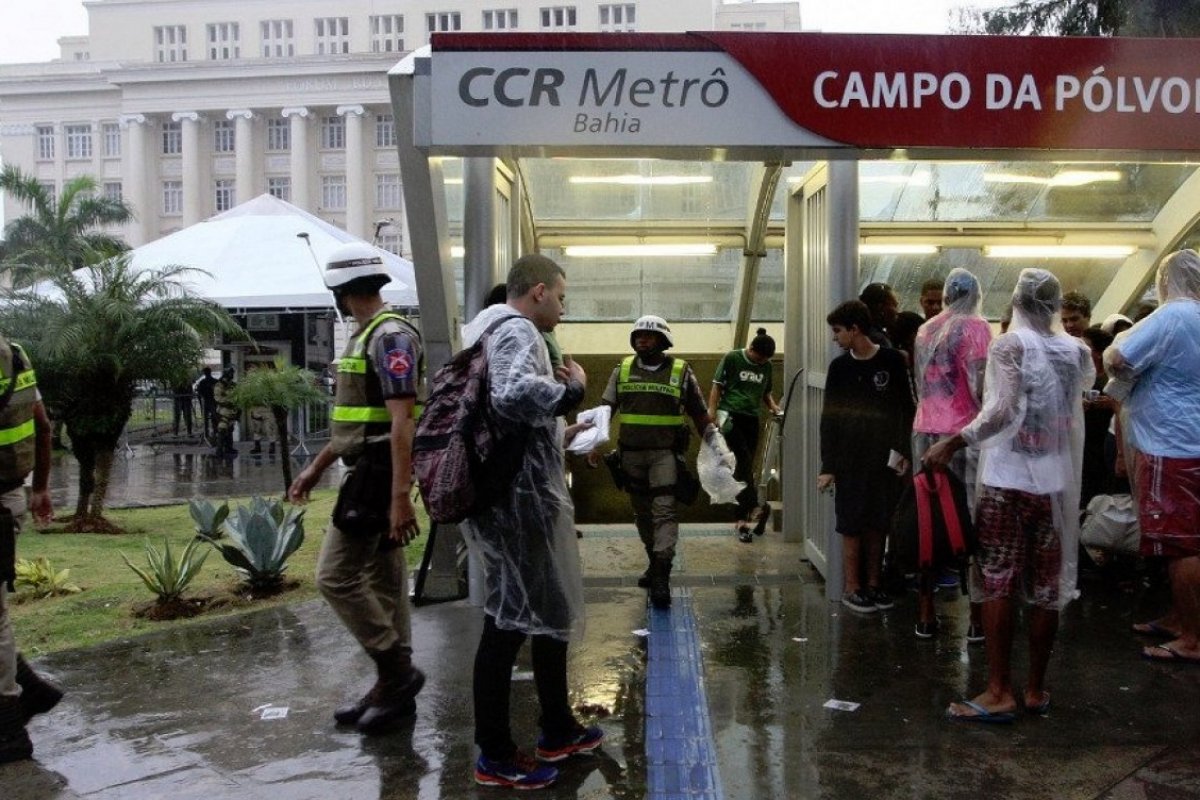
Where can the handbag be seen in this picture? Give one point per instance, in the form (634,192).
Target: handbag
(364,502)
(1111,523)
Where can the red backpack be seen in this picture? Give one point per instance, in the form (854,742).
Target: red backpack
(465,459)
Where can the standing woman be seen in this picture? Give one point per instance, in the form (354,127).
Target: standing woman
(741,387)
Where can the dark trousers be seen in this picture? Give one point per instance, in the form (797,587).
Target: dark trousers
(743,442)
(494,662)
(183,409)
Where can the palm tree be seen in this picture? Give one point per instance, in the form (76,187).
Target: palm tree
(93,336)
(59,234)
(282,389)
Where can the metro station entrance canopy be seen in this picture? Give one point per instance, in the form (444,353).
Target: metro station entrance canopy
(723,178)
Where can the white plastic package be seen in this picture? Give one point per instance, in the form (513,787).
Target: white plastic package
(589,439)
(716,471)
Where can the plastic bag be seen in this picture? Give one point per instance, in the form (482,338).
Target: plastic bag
(1111,524)
(589,439)
(716,472)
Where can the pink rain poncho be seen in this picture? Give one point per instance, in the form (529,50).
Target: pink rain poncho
(1030,429)
(527,544)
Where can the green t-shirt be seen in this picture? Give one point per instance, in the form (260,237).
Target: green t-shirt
(744,383)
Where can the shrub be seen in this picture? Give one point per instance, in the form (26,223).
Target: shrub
(167,577)
(261,538)
(41,579)
(208,518)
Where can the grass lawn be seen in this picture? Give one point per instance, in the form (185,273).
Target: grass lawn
(103,611)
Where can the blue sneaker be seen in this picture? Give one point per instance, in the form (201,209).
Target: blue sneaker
(947,580)
(518,772)
(581,740)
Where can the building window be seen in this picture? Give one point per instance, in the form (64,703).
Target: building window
(504,19)
(277,41)
(387,191)
(224,41)
(170,43)
(333,192)
(279,135)
(45,142)
(51,190)
(172,138)
(280,187)
(333,133)
(387,33)
(618,17)
(385,130)
(391,242)
(172,198)
(111,132)
(79,141)
(333,35)
(112,191)
(558,17)
(443,22)
(223,141)
(223,194)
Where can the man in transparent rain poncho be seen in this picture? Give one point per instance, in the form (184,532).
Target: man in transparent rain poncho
(1156,363)
(527,542)
(1030,435)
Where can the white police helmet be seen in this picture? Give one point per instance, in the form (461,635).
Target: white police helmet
(652,323)
(352,262)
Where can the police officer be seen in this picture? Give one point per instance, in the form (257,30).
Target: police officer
(24,448)
(653,394)
(361,570)
(227,413)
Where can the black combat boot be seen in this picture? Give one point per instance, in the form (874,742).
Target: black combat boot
(644,580)
(37,694)
(399,683)
(660,582)
(14,740)
(351,713)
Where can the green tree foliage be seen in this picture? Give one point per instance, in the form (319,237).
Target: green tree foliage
(96,333)
(62,233)
(1085,18)
(282,388)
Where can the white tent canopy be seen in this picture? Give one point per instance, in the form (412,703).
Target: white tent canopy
(256,259)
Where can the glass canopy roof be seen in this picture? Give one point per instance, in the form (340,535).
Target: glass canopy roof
(952,210)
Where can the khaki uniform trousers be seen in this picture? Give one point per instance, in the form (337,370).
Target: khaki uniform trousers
(17,502)
(654,512)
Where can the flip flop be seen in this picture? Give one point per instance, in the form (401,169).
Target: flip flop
(1041,708)
(1169,654)
(981,714)
(1153,629)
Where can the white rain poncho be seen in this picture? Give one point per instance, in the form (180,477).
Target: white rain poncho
(950,354)
(528,545)
(1030,429)
(1156,364)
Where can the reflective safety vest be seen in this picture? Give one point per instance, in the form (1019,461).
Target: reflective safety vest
(18,445)
(649,405)
(359,411)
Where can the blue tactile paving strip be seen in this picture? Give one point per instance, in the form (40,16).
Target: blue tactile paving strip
(681,757)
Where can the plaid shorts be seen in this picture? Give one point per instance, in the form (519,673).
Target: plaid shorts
(1169,505)
(1018,546)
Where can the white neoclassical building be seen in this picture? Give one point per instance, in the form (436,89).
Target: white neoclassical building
(186,108)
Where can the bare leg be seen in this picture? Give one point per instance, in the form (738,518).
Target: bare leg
(1043,627)
(851,546)
(874,556)
(1185,588)
(998,627)
(925,612)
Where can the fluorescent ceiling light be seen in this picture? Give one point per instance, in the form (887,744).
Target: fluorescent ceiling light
(915,179)
(1059,251)
(637,250)
(452,181)
(641,180)
(457,251)
(884,249)
(1067,177)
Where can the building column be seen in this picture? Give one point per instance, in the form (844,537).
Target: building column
(190,121)
(134,182)
(301,193)
(243,137)
(356,192)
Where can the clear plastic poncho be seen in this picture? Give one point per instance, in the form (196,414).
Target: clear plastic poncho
(527,545)
(950,354)
(1030,429)
(1155,365)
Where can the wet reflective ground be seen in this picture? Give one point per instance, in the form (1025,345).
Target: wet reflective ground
(181,714)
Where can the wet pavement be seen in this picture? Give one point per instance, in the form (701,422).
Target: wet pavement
(240,707)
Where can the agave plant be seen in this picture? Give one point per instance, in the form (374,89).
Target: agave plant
(208,518)
(41,579)
(261,538)
(167,576)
